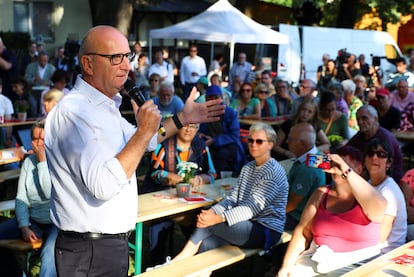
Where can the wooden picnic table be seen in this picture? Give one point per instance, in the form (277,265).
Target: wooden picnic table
(160,204)
(387,265)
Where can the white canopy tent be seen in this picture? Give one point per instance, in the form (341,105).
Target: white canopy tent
(220,23)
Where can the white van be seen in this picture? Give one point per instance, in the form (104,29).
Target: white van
(308,44)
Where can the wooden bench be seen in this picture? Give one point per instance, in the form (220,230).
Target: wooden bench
(18,245)
(208,261)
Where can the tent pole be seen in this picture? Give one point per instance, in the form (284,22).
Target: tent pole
(211,52)
(150,50)
(231,53)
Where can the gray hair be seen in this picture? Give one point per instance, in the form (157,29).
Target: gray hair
(371,110)
(166,84)
(360,77)
(348,85)
(260,126)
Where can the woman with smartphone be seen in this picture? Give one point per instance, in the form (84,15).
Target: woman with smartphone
(319,243)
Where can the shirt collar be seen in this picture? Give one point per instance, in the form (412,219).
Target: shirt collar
(92,94)
(302,158)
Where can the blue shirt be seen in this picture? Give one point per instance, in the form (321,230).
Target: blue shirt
(33,193)
(171,109)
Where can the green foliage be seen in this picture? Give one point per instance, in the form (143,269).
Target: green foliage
(285,3)
(187,170)
(21,106)
(389,11)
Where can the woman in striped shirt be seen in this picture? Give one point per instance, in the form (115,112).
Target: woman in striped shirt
(253,215)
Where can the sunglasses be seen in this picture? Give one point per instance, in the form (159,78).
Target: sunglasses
(263,91)
(247,90)
(380,154)
(257,141)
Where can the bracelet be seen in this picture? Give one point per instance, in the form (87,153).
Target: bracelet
(223,217)
(346,172)
(177,122)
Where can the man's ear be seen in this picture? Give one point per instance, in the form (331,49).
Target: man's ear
(86,63)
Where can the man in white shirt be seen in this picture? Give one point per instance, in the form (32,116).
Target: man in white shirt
(192,68)
(39,73)
(93,153)
(6,112)
(241,68)
(161,67)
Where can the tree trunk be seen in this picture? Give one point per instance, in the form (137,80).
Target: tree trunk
(114,13)
(347,14)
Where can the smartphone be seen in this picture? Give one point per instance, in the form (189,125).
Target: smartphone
(318,161)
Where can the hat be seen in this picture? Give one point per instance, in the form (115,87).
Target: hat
(203,80)
(213,90)
(382,92)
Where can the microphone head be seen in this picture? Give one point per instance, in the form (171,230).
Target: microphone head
(128,85)
(134,92)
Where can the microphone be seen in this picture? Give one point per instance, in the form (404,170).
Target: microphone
(136,94)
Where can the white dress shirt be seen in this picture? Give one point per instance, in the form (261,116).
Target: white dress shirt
(91,192)
(165,71)
(190,65)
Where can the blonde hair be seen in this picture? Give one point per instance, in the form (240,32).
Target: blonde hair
(53,94)
(260,87)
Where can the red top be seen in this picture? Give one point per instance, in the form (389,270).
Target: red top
(343,232)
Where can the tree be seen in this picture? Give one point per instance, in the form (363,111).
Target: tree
(117,13)
(345,13)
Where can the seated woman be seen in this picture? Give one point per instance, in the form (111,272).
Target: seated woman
(184,147)
(378,161)
(245,105)
(307,113)
(253,215)
(32,219)
(333,122)
(267,105)
(319,243)
(51,98)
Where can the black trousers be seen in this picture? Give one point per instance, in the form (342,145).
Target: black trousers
(78,257)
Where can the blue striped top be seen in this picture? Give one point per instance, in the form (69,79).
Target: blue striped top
(260,195)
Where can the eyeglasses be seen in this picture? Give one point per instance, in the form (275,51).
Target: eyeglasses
(115,59)
(153,80)
(194,127)
(257,141)
(380,154)
(263,91)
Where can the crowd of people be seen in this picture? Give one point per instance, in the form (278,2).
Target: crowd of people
(348,113)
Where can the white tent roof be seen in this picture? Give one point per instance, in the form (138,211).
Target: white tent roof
(221,23)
